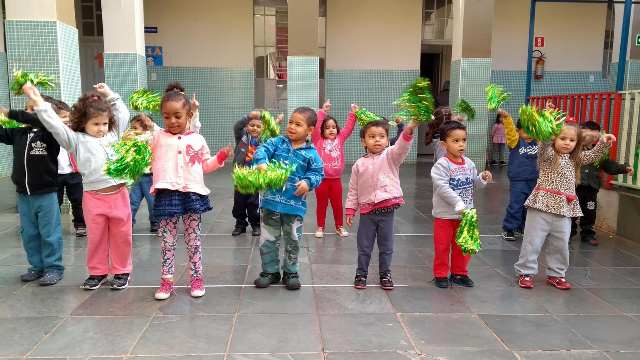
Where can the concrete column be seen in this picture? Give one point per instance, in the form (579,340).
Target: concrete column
(125,67)
(41,37)
(303,27)
(4,74)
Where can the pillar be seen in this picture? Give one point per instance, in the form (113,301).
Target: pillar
(41,37)
(125,67)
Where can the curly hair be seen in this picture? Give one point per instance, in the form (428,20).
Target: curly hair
(176,96)
(141,119)
(174,86)
(89,106)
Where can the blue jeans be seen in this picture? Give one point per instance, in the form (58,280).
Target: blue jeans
(516,214)
(140,189)
(41,231)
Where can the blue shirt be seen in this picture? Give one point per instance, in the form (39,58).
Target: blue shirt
(523,161)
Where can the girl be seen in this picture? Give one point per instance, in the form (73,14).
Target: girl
(553,203)
(329,141)
(498,140)
(432,135)
(374,190)
(180,158)
(97,121)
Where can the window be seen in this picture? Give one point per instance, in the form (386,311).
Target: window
(89,17)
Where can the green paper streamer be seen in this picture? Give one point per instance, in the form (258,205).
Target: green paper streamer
(463,107)
(270,128)
(468,235)
(39,80)
(144,100)
(416,102)
(250,180)
(7,123)
(365,116)
(496,96)
(133,157)
(541,125)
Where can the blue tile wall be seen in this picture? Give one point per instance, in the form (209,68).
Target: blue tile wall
(632,76)
(303,82)
(5,101)
(69,54)
(225,95)
(375,90)
(125,73)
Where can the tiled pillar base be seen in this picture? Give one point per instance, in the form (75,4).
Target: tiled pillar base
(125,73)
(303,82)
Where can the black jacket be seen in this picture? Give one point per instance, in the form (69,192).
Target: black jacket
(590,174)
(35,155)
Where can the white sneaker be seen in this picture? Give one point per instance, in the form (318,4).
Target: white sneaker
(319,233)
(342,232)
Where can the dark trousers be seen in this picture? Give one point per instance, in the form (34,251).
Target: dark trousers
(588,198)
(375,227)
(516,214)
(246,207)
(72,183)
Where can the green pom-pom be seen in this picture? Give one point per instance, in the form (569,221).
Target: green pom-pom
(417,102)
(270,128)
(7,123)
(133,158)
(463,107)
(144,100)
(250,180)
(468,235)
(365,116)
(541,125)
(496,96)
(39,80)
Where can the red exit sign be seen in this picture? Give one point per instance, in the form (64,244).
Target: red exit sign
(539,41)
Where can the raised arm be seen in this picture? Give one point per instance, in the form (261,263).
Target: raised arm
(66,137)
(399,130)
(238,128)
(24,117)
(348,127)
(316,134)
(195,123)
(591,156)
(510,131)
(118,108)
(399,151)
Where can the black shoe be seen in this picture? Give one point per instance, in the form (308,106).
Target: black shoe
(508,236)
(519,234)
(360,282)
(267,279)
(81,231)
(441,282)
(154,228)
(255,231)
(51,278)
(238,230)
(120,281)
(462,280)
(386,283)
(291,281)
(31,275)
(94,281)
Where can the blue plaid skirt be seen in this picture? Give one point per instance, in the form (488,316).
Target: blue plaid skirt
(172,203)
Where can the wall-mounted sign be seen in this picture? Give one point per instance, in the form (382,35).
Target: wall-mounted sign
(150,29)
(638,39)
(153,55)
(539,41)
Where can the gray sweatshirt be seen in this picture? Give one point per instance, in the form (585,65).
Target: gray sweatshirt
(91,153)
(453,187)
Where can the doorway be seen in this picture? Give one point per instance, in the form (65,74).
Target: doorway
(429,68)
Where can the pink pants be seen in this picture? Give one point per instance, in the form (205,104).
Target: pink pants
(108,219)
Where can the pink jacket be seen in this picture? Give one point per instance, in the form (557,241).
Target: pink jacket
(180,162)
(375,178)
(332,151)
(497,134)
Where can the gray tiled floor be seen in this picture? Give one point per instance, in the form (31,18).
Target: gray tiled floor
(327,319)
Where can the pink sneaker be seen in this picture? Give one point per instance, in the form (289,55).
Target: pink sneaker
(165,290)
(197,287)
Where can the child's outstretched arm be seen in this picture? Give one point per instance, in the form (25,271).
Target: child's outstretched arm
(214,163)
(351,205)
(66,137)
(349,124)
(238,128)
(398,152)
(120,111)
(195,124)
(399,130)
(440,178)
(265,152)
(510,130)
(316,134)
(613,168)
(591,156)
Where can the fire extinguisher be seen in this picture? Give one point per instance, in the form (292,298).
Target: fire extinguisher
(538,72)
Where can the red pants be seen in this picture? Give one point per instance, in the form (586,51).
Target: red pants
(329,189)
(108,219)
(444,243)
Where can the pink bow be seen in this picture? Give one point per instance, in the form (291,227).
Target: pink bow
(195,156)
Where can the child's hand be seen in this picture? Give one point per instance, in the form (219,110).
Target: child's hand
(412,125)
(629,170)
(195,104)
(227,149)
(261,167)
(103,89)
(326,107)
(349,220)
(503,113)
(301,188)
(486,176)
(4,111)
(33,94)
(354,108)
(279,118)
(398,120)
(608,139)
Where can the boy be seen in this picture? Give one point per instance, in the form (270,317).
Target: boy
(453,176)
(522,173)
(283,209)
(589,185)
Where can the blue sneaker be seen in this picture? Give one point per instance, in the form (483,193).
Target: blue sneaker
(51,278)
(31,275)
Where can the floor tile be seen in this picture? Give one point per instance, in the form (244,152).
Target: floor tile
(562,355)
(20,335)
(277,300)
(347,300)
(276,333)
(217,300)
(508,300)
(607,332)
(428,300)
(34,300)
(627,300)
(107,302)
(356,332)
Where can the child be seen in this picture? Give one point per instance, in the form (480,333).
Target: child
(329,140)
(522,173)
(97,121)
(35,170)
(283,209)
(245,206)
(589,185)
(374,190)
(143,125)
(180,159)
(453,176)
(399,130)
(69,178)
(497,141)
(552,204)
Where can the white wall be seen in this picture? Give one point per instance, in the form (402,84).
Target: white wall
(202,33)
(374,34)
(123,26)
(472,28)
(574,35)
